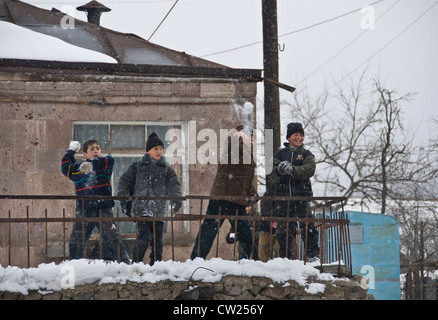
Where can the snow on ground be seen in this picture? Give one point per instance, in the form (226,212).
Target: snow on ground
(55,277)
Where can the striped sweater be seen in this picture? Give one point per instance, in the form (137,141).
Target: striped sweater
(95,183)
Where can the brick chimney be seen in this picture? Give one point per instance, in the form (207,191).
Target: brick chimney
(94,10)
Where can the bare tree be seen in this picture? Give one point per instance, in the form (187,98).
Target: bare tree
(361,146)
(418,221)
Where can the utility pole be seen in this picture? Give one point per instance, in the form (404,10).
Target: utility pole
(270,66)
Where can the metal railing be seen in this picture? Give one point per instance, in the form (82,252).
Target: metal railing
(420,281)
(334,237)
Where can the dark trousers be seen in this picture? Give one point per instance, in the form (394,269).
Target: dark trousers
(146,238)
(296,209)
(82,231)
(209,228)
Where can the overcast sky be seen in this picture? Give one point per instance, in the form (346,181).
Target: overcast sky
(402,48)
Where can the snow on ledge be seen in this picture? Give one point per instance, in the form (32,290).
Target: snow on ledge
(53,277)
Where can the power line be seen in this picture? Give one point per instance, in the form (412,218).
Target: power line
(329,20)
(292,32)
(346,46)
(386,45)
(163,19)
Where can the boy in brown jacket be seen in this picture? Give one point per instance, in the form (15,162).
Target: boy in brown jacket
(234,177)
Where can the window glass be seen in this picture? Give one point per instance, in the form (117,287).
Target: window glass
(84,132)
(356,232)
(127,137)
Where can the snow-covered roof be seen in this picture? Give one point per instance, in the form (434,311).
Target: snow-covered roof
(125,48)
(23,43)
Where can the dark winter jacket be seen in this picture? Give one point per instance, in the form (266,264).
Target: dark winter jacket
(95,183)
(149,178)
(298,184)
(235,177)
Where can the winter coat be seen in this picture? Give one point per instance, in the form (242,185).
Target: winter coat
(149,178)
(298,184)
(94,183)
(235,177)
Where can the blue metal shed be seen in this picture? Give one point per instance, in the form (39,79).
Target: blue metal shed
(376,253)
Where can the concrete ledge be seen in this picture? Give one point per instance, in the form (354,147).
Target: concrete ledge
(228,288)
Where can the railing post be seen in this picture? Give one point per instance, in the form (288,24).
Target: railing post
(235,235)
(154,240)
(100,236)
(286,253)
(200,227)
(9,237)
(28,237)
(63,232)
(173,247)
(47,236)
(118,236)
(217,234)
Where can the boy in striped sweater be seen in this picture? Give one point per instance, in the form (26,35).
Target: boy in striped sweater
(92,178)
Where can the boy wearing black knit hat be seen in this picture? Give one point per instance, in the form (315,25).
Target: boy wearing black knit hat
(293,167)
(150,177)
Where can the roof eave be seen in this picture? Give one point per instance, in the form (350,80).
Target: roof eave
(139,69)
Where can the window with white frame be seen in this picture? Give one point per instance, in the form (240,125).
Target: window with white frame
(126,142)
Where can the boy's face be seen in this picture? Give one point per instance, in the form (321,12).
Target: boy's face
(93,151)
(156,152)
(296,140)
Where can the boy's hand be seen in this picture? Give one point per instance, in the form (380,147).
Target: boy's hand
(75,146)
(125,209)
(175,206)
(285,168)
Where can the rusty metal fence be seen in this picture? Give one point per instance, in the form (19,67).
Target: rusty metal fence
(420,281)
(20,230)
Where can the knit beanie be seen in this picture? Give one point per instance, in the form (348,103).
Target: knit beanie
(294,127)
(153,141)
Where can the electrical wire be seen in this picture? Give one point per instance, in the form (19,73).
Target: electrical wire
(386,45)
(346,46)
(163,19)
(291,32)
(329,20)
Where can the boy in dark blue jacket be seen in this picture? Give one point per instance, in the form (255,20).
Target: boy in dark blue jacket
(92,178)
